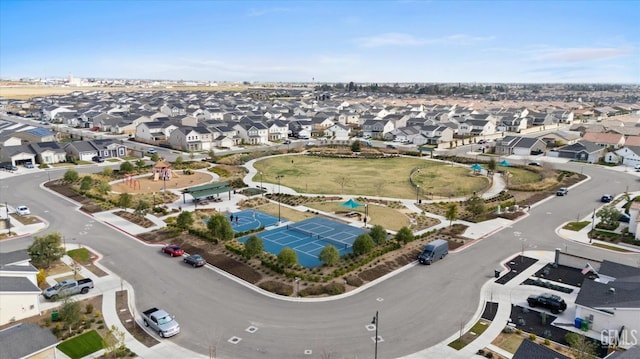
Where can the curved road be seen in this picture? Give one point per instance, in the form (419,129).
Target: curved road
(418,307)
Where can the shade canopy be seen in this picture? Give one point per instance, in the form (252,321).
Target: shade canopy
(351,204)
(504,163)
(476,167)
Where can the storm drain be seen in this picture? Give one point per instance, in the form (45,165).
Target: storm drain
(234,340)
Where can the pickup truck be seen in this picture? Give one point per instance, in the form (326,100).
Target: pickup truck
(161,322)
(68,287)
(549,301)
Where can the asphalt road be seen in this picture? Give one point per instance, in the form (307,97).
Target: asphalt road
(417,308)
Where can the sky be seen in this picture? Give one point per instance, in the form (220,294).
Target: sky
(324,41)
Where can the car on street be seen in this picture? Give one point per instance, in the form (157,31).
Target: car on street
(152,151)
(98,159)
(10,168)
(173,250)
(563,191)
(482,142)
(536,164)
(23,210)
(606,198)
(287,142)
(393,147)
(195,260)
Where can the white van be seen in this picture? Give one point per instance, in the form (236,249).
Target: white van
(637,167)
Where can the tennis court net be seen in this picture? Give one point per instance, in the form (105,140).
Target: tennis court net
(337,244)
(296,229)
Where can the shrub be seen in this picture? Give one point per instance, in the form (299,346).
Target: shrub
(89,308)
(277,287)
(532,337)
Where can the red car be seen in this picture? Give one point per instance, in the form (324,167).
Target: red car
(172,250)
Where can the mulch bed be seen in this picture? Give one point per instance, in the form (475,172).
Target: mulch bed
(87,204)
(533,324)
(563,274)
(490,310)
(516,265)
(129,322)
(135,218)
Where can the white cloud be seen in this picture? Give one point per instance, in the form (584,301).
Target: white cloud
(583,54)
(400,39)
(267,11)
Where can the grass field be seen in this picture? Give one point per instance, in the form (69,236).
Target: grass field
(82,345)
(388,177)
(386,217)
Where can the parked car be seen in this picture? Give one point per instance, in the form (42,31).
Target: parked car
(23,210)
(287,142)
(394,147)
(68,287)
(195,260)
(28,165)
(536,164)
(152,151)
(624,218)
(10,168)
(98,159)
(434,251)
(606,198)
(482,142)
(549,301)
(637,168)
(563,191)
(160,322)
(172,250)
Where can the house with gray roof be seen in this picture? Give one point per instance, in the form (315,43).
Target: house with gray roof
(611,302)
(530,350)
(49,152)
(18,287)
(580,151)
(518,145)
(17,155)
(27,340)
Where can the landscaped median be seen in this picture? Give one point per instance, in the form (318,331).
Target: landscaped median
(471,335)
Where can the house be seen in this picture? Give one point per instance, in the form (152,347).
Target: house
(628,156)
(518,145)
(511,124)
(35,135)
(611,302)
(49,152)
(338,132)
(255,133)
(377,128)
(154,132)
(530,350)
(631,353)
(81,150)
(580,151)
(27,340)
(634,222)
(109,148)
(17,155)
(19,292)
(186,138)
(613,140)
(278,130)
(476,128)
(560,138)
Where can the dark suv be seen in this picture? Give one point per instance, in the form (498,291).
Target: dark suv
(97,159)
(549,301)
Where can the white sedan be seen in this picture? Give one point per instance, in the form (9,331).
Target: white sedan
(23,210)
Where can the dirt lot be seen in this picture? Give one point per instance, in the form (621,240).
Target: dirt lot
(146,184)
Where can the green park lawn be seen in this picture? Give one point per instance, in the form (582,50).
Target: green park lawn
(386,217)
(387,177)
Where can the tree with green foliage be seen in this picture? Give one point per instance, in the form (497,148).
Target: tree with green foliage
(179,160)
(581,347)
(287,257)
(113,341)
(46,249)
(356,146)
(253,247)
(378,234)
(70,312)
(184,220)
(125,200)
(103,187)
(126,167)
(140,164)
(608,216)
(71,176)
(220,227)
(86,183)
(107,171)
(154,157)
(142,208)
(212,155)
(192,155)
(452,213)
(363,244)
(475,205)
(404,235)
(492,165)
(329,255)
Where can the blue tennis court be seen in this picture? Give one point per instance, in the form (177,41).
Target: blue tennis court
(250,219)
(309,237)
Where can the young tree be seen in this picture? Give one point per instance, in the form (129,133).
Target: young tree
(124,200)
(107,171)
(140,163)
(363,244)
(329,255)
(287,257)
(212,155)
(103,187)
(378,234)
(142,208)
(126,167)
(71,176)
(492,165)
(86,183)
(452,213)
(475,205)
(154,157)
(355,146)
(581,347)
(184,220)
(404,235)
(113,340)
(179,160)
(253,247)
(220,227)
(70,312)
(608,216)
(46,249)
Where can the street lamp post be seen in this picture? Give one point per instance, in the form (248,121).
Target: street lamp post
(261,185)
(279,177)
(366,213)
(376,322)
(417,192)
